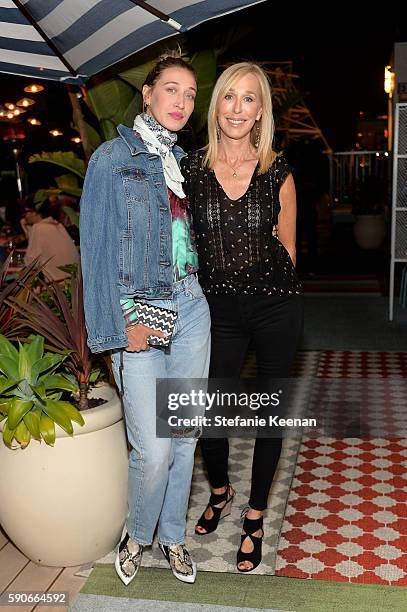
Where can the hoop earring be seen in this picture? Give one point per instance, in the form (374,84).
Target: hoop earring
(257,135)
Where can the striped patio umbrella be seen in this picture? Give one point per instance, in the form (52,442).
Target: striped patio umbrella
(71,40)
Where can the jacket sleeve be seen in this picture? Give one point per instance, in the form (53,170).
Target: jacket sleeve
(99,256)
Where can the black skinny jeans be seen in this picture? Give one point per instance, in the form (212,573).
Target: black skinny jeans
(273,324)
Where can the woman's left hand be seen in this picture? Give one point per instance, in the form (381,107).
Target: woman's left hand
(138,337)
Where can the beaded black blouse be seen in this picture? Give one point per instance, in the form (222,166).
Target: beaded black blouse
(236,248)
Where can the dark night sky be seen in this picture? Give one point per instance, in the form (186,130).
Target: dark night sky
(339,50)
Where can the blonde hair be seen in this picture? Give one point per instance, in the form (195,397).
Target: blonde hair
(265,125)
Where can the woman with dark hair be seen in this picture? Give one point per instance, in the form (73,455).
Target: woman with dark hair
(241,194)
(136,244)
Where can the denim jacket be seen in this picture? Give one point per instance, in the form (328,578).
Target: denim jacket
(126,235)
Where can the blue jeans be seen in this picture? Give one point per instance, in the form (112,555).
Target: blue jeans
(160,469)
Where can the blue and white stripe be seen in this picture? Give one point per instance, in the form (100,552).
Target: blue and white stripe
(92,34)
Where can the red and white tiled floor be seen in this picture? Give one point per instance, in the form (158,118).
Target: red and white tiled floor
(346,517)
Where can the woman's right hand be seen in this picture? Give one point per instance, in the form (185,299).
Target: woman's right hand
(138,337)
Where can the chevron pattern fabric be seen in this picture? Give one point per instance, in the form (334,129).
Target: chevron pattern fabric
(160,319)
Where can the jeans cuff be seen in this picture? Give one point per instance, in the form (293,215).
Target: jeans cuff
(171,543)
(139,540)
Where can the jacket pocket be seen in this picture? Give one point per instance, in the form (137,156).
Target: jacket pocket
(135,184)
(126,258)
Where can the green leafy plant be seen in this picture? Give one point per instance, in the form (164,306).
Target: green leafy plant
(31,385)
(62,323)
(69,183)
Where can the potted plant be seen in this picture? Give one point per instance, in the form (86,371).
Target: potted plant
(63,477)
(15,288)
(368,208)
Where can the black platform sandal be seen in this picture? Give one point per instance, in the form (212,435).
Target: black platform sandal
(215,499)
(250,526)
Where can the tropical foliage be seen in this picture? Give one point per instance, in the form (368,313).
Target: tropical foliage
(61,321)
(31,386)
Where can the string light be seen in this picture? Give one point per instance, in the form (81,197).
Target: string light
(34,88)
(25,102)
(76,139)
(55,133)
(34,121)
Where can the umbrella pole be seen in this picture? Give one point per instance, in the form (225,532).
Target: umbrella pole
(79,121)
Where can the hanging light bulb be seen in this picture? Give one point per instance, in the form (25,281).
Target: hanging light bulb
(34,88)
(10,115)
(34,121)
(9,105)
(55,132)
(18,111)
(76,139)
(25,102)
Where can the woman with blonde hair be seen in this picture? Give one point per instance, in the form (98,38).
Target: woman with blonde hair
(242,197)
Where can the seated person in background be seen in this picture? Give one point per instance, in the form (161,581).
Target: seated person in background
(49,240)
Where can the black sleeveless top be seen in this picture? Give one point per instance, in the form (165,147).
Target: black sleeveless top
(237,251)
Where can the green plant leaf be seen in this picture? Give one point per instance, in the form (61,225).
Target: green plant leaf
(22,434)
(132,110)
(18,408)
(35,349)
(72,215)
(108,128)
(24,364)
(54,411)
(68,183)
(8,349)
(94,376)
(39,392)
(6,385)
(42,194)
(72,412)
(109,99)
(93,136)
(32,422)
(50,361)
(64,159)
(205,64)
(59,381)
(9,366)
(47,429)
(8,435)
(4,407)
(137,75)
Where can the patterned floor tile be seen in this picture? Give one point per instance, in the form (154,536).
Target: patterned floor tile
(217,551)
(346,516)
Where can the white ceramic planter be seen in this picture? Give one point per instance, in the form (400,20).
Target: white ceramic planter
(66,505)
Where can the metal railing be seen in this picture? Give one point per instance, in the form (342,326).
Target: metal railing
(349,169)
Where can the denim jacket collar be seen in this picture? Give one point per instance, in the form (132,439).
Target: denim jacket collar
(136,146)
